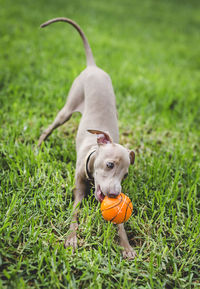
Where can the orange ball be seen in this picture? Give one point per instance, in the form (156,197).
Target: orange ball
(117,210)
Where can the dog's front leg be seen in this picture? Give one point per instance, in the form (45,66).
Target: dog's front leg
(79,193)
(128,251)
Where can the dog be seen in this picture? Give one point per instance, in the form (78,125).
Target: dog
(101,160)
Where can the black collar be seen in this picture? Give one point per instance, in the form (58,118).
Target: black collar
(87,172)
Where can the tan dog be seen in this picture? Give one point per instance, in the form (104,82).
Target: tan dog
(100,159)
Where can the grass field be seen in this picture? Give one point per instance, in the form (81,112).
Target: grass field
(151,50)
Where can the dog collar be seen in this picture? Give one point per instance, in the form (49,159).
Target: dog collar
(87,172)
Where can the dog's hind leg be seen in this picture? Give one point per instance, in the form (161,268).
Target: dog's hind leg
(75,102)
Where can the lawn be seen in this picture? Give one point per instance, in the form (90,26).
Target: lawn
(151,50)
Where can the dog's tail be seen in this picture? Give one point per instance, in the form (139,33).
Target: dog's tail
(88,51)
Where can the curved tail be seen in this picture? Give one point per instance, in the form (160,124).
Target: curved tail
(88,51)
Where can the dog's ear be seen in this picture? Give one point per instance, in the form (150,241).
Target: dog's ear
(102,136)
(132,157)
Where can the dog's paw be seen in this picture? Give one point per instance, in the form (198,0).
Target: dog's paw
(71,241)
(129,253)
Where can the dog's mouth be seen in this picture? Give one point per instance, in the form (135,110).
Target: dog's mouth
(99,194)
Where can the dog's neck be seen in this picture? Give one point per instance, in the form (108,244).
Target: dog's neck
(89,164)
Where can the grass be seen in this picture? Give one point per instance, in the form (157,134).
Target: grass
(151,50)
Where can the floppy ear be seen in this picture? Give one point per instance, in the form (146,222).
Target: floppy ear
(102,136)
(132,157)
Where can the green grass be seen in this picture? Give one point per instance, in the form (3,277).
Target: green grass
(151,50)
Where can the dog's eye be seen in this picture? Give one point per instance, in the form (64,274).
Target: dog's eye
(126,175)
(110,165)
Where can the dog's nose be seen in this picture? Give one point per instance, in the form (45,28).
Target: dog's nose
(113,195)
(114,190)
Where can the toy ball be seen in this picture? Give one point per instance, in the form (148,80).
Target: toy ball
(117,210)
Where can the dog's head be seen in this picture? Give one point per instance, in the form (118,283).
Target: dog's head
(111,165)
